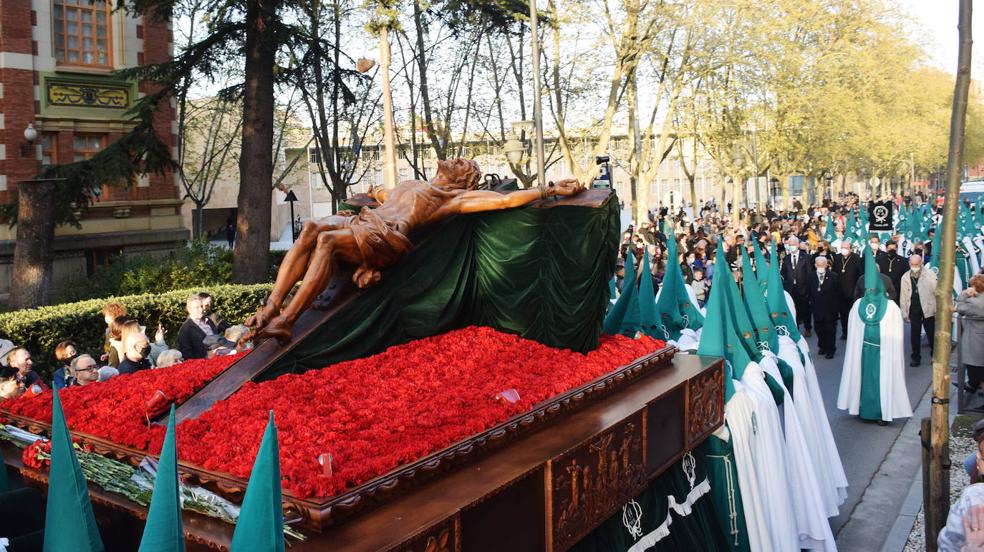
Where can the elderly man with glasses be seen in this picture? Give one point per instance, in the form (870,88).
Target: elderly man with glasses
(85,370)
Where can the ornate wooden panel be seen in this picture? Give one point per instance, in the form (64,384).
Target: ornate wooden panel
(705,404)
(590,482)
(444,537)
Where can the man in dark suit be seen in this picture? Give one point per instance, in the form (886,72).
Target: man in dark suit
(893,265)
(195,329)
(849,267)
(825,296)
(795,270)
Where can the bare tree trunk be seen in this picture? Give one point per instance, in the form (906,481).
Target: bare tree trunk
(30,282)
(252,250)
(638,193)
(389,138)
(199,221)
(939,474)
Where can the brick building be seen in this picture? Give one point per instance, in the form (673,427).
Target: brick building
(56,63)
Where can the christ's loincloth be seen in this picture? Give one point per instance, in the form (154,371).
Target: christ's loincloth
(380,246)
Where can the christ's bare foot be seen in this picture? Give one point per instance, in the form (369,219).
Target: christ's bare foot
(263,316)
(279,328)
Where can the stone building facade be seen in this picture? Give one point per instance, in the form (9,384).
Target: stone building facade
(57,59)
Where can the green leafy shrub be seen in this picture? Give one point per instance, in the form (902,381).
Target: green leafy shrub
(199,264)
(41,329)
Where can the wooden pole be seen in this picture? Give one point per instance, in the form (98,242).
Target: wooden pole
(389,138)
(939,474)
(541,171)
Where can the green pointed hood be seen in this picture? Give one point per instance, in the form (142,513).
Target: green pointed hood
(612,291)
(624,317)
(830,233)
(649,318)
(776,300)
(260,527)
(744,331)
(163,531)
(851,230)
(754,299)
(875,299)
(674,303)
(713,337)
(69,522)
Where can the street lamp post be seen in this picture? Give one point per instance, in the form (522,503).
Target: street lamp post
(291,198)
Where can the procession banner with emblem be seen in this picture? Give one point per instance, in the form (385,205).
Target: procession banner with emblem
(881,216)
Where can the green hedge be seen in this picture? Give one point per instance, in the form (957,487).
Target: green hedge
(41,329)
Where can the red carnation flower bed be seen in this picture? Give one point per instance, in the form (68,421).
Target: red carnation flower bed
(375,414)
(117,409)
(371,415)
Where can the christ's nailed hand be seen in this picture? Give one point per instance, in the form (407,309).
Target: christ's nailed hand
(567,187)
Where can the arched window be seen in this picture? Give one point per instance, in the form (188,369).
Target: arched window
(83,33)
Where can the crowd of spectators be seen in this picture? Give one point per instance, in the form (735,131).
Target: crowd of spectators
(126,349)
(823,277)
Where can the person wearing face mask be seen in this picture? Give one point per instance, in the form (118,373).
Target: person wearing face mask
(849,268)
(874,242)
(892,264)
(795,271)
(136,349)
(825,298)
(918,302)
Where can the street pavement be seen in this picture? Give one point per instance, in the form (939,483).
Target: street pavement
(864,447)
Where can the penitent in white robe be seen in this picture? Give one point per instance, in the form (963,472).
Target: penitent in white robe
(891,373)
(739,412)
(807,489)
(813,414)
(770,463)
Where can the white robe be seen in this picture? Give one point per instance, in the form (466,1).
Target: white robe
(975,262)
(770,463)
(894,396)
(813,415)
(808,491)
(739,412)
(979,242)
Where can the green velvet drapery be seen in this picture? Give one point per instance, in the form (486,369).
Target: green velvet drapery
(541,273)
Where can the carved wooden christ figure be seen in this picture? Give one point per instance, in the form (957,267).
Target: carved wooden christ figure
(375,239)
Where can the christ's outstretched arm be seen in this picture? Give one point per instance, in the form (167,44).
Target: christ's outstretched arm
(482,200)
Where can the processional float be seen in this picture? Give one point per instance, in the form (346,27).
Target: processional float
(540,480)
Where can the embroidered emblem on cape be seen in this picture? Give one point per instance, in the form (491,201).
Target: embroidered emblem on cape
(632,518)
(690,468)
(870,310)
